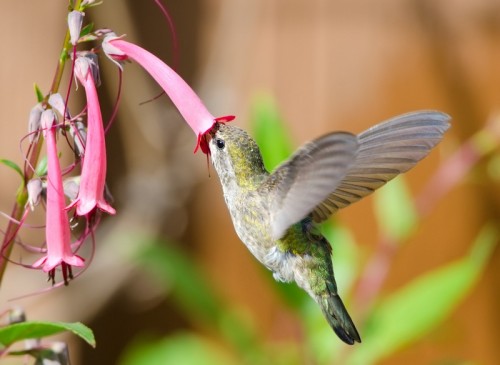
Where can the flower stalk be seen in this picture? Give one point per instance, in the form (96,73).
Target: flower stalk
(31,161)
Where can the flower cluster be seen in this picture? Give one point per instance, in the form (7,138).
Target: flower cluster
(79,191)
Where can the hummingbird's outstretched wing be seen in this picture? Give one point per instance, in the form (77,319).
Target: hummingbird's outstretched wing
(385,151)
(297,186)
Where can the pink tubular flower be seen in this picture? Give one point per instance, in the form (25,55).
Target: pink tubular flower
(57,231)
(184,98)
(93,176)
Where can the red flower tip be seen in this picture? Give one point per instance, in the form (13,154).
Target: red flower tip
(202,141)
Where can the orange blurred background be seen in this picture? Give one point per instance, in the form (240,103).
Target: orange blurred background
(330,65)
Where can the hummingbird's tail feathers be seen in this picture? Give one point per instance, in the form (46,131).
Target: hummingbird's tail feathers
(338,318)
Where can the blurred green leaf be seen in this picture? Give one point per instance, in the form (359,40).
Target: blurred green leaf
(270,132)
(395,211)
(413,311)
(38,93)
(86,29)
(13,166)
(41,168)
(186,349)
(28,330)
(178,274)
(175,271)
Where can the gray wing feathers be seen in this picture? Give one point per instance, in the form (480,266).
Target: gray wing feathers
(308,177)
(385,151)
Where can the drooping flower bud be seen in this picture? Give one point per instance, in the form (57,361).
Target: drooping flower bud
(34,122)
(78,132)
(35,190)
(47,120)
(71,187)
(87,62)
(75,21)
(56,102)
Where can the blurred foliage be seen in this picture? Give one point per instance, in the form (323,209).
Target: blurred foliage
(28,335)
(410,313)
(391,322)
(395,211)
(13,166)
(27,330)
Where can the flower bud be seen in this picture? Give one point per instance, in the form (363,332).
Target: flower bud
(34,122)
(35,191)
(56,101)
(47,120)
(78,132)
(75,21)
(87,2)
(87,62)
(71,186)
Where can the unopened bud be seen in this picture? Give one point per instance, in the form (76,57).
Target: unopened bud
(47,119)
(17,315)
(79,134)
(87,2)
(71,186)
(75,21)
(56,101)
(35,191)
(85,63)
(34,122)
(55,353)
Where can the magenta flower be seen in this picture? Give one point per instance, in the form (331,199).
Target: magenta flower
(57,231)
(184,98)
(93,176)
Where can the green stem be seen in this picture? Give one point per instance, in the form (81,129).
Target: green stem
(32,161)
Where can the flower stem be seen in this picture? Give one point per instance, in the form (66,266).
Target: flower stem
(31,162)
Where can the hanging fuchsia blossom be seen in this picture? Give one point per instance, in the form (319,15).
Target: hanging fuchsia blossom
(57,231)
(184,98)
(93,176)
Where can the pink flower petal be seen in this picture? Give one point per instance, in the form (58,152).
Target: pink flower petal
(57,232)
(183,97)
(93,176)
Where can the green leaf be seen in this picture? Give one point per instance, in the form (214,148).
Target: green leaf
(395,211)
(415,310)
(180,349)
(86,29)
(182,279)
(13,166)
(175,271)
(38,93)
(41,168)
(269,131)
(28,330)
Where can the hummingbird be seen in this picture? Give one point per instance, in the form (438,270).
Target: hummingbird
(276,214)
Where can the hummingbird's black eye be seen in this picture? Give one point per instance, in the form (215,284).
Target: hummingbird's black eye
(220,143)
